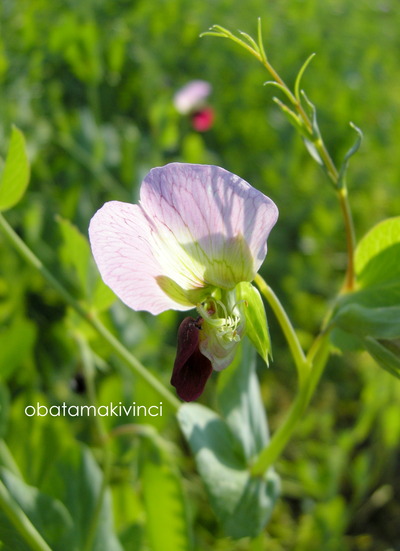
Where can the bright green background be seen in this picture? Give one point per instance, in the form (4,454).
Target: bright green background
(90,84)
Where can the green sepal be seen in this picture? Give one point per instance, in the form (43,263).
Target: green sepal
(16,172)
(256,319)
(189,298)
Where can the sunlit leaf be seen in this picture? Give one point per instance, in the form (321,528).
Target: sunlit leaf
(15,177)
(371,316)
(377,257)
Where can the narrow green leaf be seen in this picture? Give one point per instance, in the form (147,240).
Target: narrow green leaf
(349,154)
(239,400)
(300,76)
(256,319)
(313,151)
(16,172)
(166,515)
(312,113)
(282,89)
(217,30)
(377,257)
(290,115)
(250,40)
(260,41)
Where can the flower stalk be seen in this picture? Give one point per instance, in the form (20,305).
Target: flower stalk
(317,361)
(298,355)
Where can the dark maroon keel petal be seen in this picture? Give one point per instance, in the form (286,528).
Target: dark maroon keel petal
(191,369)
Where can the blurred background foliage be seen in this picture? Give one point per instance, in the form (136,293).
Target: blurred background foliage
(91,85)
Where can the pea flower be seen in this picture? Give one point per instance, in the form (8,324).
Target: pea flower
(196,235)
(192,96)
(191,100)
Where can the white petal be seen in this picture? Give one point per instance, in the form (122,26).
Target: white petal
(211,225)
(121,241)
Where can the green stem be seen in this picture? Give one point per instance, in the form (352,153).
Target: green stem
(271,453)
(300,359)
(350,238)
(136,366)
(89,372)
(7,459)
(20,521)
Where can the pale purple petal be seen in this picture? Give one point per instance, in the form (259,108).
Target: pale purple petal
(211,226)
(121,241)
(191,96)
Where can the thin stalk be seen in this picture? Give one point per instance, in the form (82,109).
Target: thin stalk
(281,437)
(298,355)
(132,362)
(20,521)
(350,238)
(89,372)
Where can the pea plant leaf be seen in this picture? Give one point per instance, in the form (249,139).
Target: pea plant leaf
(223,448)
(370,317)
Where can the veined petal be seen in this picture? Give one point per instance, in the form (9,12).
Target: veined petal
(211,226)
(121,241)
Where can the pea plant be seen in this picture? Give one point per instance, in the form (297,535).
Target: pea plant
(195,242)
